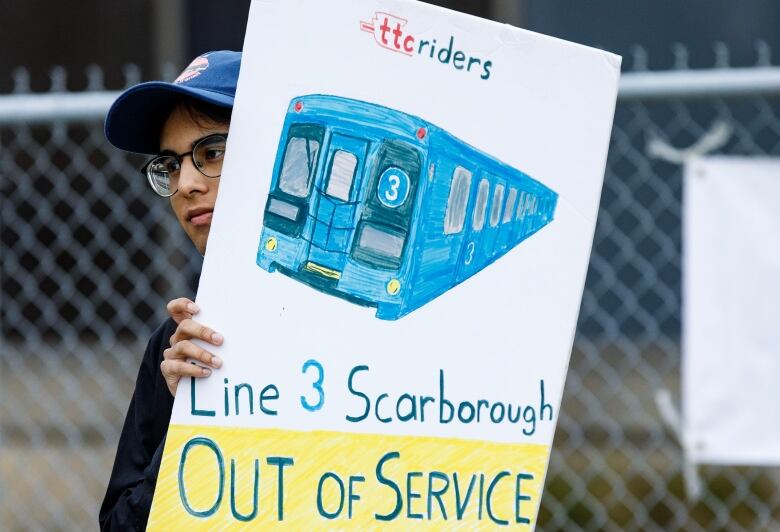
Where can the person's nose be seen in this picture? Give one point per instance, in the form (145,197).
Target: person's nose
(191,181)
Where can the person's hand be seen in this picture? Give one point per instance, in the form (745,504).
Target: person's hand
(175,365)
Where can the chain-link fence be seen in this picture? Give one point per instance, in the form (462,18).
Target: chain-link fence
(90,257)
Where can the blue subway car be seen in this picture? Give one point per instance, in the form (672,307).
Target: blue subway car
(386,210)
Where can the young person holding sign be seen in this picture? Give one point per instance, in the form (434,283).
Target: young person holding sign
(416,345)
(185,125)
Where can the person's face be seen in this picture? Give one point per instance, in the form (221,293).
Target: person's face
(193,203)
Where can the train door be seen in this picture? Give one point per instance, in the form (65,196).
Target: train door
(334,211)
(470,259)
(386,218)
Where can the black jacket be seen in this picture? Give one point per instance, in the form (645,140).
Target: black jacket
(129,494)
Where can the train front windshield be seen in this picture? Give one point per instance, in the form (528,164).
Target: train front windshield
(288,203)
(298,169)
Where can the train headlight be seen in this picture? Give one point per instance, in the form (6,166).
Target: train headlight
(393,287)
(270,244)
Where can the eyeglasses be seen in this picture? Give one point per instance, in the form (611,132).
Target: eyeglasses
(207,154)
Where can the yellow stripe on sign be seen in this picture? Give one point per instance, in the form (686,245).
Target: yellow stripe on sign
(217,478)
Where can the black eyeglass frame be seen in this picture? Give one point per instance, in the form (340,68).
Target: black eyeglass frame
(145,169)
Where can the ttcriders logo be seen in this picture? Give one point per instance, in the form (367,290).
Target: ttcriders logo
(390,33)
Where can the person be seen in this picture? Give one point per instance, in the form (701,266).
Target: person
(184,125)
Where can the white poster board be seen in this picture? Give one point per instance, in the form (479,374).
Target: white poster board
(731,310)
(396,262)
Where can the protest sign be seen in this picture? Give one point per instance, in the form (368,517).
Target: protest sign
(396,262)
(731,310)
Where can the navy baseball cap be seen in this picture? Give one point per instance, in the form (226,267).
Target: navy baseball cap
(134,120)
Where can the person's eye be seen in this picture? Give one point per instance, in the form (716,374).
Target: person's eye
(172,165)
(159,166)
(214,153)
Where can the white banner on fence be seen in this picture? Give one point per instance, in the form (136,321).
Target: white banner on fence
(731,310)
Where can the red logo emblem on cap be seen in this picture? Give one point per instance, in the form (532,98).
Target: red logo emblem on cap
(193,70)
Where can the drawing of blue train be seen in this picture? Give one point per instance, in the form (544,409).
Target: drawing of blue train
(386,210)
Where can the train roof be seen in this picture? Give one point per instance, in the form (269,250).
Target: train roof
(375,117)
(358,112)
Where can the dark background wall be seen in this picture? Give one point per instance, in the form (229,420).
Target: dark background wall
(616,25)
(40,34)
(230,17)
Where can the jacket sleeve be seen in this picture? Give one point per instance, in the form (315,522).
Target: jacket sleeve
(129,494)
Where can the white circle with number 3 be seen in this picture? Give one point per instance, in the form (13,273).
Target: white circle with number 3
(393,187)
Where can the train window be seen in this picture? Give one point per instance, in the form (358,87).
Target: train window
(520,205)
(495,207)
(379,247)
(282,208)
(342,173)
(530,203)
(478,219)
(300,158)
(458,200)
(509,208)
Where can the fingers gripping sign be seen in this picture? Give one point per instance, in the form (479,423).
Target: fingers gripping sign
(177,359)
(181,308)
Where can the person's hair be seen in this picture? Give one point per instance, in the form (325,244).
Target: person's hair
(204,114)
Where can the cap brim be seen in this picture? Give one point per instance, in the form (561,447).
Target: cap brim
(134,120)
